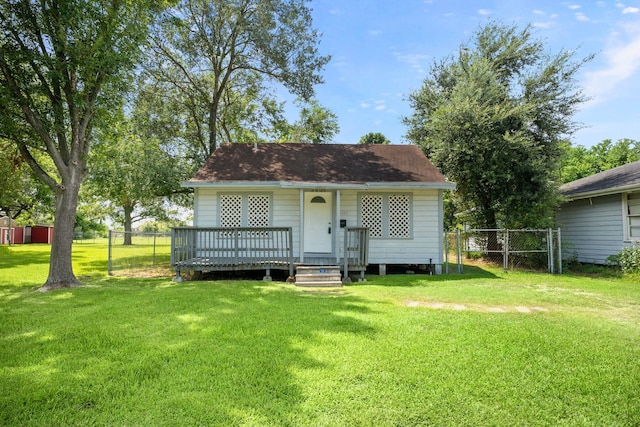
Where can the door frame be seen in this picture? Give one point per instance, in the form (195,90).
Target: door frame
(305,201)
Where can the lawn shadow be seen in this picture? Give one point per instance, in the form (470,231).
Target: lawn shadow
(10,258)
(212,353)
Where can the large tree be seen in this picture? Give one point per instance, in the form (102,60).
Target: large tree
(63,64)
(493,119)
(214,58)
(132,174)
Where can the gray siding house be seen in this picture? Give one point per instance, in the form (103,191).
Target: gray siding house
(600,214)
(319,192)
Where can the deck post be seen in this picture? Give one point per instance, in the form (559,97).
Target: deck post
(346,255)
(291,260)
(382,269)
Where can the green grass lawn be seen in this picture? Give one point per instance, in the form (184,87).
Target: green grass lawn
(482,348)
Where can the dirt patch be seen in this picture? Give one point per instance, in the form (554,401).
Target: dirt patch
(435,305)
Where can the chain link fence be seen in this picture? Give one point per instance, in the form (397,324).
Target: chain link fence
(139,254)
(531,249)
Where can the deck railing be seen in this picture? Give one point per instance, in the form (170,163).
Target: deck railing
(253,248)
(242,248)
(356,250)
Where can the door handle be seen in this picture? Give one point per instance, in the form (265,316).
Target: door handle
(329,230)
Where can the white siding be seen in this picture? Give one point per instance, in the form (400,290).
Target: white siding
(425,241)
(592,229)
(286,213)
(426,237)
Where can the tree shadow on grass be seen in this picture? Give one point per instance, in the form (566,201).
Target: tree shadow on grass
(197,353)
(11,258)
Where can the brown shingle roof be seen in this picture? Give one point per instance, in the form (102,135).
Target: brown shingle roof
(326,163)
(610,181)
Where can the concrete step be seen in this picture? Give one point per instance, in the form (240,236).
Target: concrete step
(311,275)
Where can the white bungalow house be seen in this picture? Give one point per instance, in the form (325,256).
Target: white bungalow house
(600,214)
(346,205)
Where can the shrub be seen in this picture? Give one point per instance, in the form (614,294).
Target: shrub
(628,259)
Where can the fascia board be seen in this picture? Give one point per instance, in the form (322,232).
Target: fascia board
(321,185)
(600,193)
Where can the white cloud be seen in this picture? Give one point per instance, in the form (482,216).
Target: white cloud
(484,12)
(538,12)
(365,105)
(622,63)
(630,10)
(415,61)
(380,107)
(545,25)
(575,6)
(582,17)
(374,33)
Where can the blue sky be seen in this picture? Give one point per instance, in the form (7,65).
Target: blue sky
(382,50)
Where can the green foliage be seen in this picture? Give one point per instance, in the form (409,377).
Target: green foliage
(580,162)
(374,138)
(212,60)
(493,120)
(132,174)
(22,196)
(628,259)
(164,226)
(63,66)
(316,125)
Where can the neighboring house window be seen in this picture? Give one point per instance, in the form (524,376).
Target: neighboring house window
(633,216)
(386,215)
(245,210)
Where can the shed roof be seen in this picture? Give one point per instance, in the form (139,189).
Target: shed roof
(617,180)
(324,163)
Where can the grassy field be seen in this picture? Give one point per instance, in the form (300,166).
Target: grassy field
(482,348)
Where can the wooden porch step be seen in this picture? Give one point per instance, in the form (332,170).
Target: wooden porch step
(318,275)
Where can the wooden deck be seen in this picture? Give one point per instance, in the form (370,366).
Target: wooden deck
(264,248)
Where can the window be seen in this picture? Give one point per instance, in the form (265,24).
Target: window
(632,213)
(386,215)
(245,210)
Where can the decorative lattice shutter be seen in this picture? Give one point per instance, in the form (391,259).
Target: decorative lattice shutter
(371,214)
(230,210)
(258,207)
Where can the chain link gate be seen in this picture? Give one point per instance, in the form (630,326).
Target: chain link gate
(511,248)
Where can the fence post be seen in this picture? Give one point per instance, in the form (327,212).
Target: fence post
(550,249)
(109,255)
(505,250)
(559,240)
(446,252)
(153,258)
(459,251)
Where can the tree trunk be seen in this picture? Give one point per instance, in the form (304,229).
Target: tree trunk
(128,211)
(213,118)
(60,265)
(10,240)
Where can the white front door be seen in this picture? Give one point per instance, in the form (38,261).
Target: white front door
(317,222)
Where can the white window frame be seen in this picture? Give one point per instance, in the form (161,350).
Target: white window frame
(386,218)
(245,220)
(627,215)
